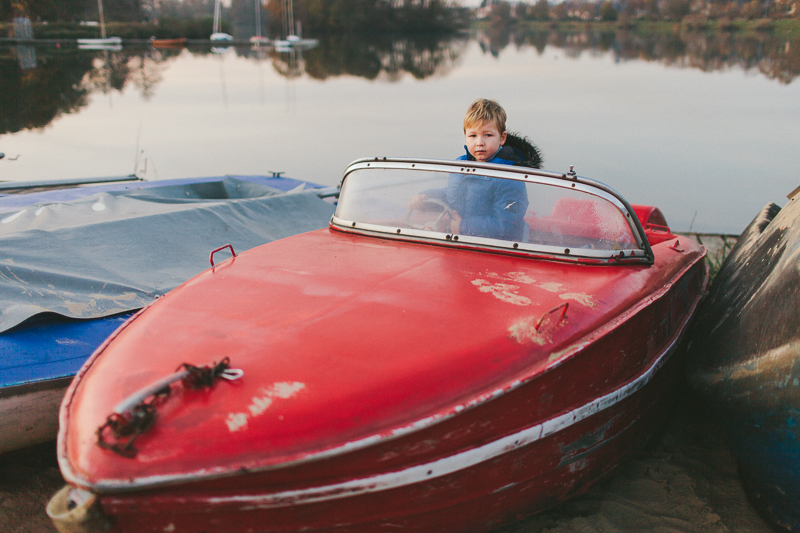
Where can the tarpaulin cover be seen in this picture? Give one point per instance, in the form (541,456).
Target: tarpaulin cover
(117,251)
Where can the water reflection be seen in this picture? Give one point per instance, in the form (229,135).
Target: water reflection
(32,98)
(39,88)
(421,56)
(26,56)
(777,59)
(35,94)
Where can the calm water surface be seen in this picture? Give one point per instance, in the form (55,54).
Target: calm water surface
(710,140)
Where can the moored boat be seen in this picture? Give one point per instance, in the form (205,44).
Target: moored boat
(387,372)
(37,363)
(168,43)
(114,257)
(744,359)
(294,42)
(103,43)
(217,33)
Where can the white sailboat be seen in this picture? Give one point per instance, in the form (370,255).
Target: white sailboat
(217,35)
(104,43)
(293,40)
(258,39)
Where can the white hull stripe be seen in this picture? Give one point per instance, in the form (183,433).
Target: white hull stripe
(447,465)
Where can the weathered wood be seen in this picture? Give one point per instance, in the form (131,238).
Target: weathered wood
(29,413)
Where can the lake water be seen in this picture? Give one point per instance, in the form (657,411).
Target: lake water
(707,130)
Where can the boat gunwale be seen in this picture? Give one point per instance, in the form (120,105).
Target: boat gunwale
(29,387)
(149,482)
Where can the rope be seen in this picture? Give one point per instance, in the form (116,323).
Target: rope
(126,427)
(203,376)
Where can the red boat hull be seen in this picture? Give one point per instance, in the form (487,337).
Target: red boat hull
(526,480)
(168,43)
(536,423)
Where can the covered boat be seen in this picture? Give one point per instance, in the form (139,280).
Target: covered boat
(388,373)
(77,261)
(745,359)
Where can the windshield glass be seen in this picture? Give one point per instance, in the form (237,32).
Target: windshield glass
(543,212)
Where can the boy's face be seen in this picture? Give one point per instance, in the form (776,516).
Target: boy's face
(483,140)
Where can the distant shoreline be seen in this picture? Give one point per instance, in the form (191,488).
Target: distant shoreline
(783,28)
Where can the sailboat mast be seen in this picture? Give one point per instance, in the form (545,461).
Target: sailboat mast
(102,20)
(288,18)
(258,18)
(284,17)
(291,17)
(216,16)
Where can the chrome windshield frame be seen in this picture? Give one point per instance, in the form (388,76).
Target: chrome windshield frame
(642,255)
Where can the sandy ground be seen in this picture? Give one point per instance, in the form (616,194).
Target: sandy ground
(683,481)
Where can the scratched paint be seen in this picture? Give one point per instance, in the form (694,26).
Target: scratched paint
(509,292)
(516,277)
(502,291)
(580,297)
(578,465)
(524,331)
(568,350)
(259,404)
(550,287)
(585,444)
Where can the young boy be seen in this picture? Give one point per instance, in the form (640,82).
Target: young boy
(483,206)
(485,131)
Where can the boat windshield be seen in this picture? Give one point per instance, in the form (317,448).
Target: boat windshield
(474,205)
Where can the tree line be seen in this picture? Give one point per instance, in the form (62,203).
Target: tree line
(371,16)
(319,16)
(502,11)
(71,10)
(394,16)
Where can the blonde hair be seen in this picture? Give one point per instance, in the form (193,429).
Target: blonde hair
(482,111)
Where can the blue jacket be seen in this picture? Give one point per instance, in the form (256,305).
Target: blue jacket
(489,207)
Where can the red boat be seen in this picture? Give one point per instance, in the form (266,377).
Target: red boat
(385,373)
(168,43)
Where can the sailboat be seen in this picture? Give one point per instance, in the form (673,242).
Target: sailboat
(217,35)
(104,43)
(258,39)
(293,41)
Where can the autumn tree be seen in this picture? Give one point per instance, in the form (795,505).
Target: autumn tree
(607,11)
(501,14)
(541,10)
(677,9)
(751,10)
